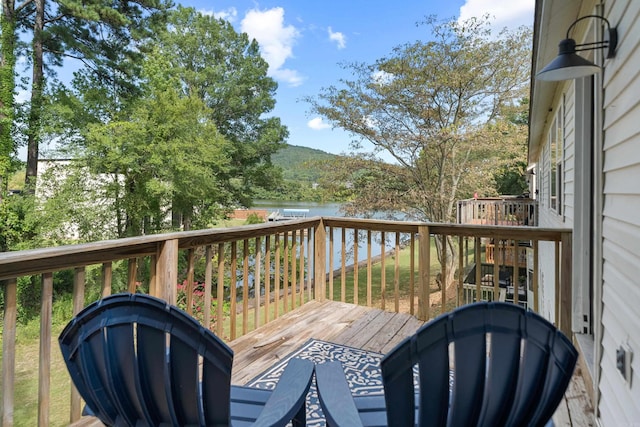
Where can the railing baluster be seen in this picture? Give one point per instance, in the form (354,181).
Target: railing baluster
(132,269)
(267,278)
(515,265)
(461,272)
(355,265)
(257,286)
(44,370)
(107,275)
(78,303)
(285,265)
(310,263)
(301,264)
(477,248)
(343,267)
(190,277)
(294,254)
(412,273)
(208,282)
(396,278)
(220,294)
(444,280)
(245,287)
(9,350)
(331,264)
(496,263)
(536,307)
(153,279)
(233,286)
(276,285)
(369,271)
(383,270)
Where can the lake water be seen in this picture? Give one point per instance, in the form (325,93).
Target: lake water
(330,209)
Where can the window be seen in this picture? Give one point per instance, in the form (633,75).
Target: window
(556,155)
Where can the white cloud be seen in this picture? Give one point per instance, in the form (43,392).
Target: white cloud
(318,124)
(504,13)
(276,41)
(337,37)
(292,77)
(229,14)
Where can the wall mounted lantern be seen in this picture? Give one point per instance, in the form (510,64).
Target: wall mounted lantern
(568,65)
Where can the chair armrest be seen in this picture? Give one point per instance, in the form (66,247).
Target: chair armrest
(289,396)
(335,396)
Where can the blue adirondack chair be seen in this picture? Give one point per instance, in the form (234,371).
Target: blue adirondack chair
(138,361)
(484,364)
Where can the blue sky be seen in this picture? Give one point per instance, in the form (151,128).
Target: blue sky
(305,41)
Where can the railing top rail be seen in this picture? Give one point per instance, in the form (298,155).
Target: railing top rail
(36,261)
(509,200)
(470,230)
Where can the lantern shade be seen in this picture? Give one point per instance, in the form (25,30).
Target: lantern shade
(567,65)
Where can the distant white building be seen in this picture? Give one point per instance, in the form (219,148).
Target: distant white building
(87,207)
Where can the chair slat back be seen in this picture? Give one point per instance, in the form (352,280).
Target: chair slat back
(135,358)
(484,364)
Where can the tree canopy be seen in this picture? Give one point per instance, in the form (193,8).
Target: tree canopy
(181,143)
(438,109)
(442,110)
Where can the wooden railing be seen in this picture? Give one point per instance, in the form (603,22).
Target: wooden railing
(498,211)
(504,253)
(233,280)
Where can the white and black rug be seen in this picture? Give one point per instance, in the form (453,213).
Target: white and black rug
(362,369)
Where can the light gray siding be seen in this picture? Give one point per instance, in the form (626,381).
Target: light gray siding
(620,400)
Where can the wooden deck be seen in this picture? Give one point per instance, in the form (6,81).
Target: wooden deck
(361,327)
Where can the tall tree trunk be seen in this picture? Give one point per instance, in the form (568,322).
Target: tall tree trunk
(33,130)
(7,86)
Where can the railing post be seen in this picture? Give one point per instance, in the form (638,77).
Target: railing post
(424,266)
(9,351)
(167,270)
(320,262)
(565,284)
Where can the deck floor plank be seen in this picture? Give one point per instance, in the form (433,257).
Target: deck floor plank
(408,329)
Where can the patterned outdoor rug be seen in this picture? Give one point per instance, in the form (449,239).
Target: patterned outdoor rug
(362,370)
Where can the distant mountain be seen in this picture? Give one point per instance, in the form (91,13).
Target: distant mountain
(297,162)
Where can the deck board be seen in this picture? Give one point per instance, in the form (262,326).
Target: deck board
(355,326)
(361,327)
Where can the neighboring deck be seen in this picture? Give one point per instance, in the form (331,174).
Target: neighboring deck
(355,326)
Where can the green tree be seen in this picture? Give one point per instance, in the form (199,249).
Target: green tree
(7,87)
(224,69)
(435,107)
(104,35)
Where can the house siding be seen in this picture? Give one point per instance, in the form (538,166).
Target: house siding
(603,182)
(619,399)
